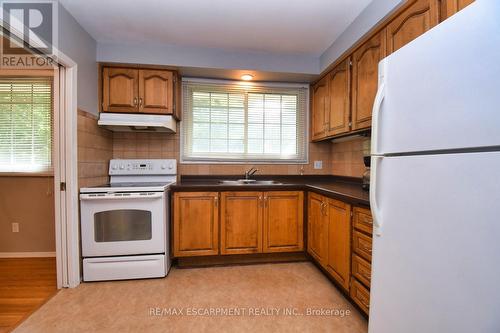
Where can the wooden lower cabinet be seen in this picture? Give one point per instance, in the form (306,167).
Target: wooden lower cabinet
(360,295)
(329,236)
(196,224)
(250,222)
(339,241)
(317,228)
(241,222)
(362,224)
(283,221)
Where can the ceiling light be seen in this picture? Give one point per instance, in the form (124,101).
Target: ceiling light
(247,77)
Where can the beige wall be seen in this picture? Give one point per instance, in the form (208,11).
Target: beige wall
(95,149)
(161,145)
(28,201)
(347,158)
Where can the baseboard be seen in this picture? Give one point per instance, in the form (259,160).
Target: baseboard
(27,254)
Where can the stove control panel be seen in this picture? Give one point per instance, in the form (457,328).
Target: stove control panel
(143,167)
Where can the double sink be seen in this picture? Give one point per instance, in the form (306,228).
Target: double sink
(249,182)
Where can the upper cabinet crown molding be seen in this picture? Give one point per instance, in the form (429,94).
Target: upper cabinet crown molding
(137,90)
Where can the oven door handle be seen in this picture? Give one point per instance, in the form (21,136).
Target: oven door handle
(122,196)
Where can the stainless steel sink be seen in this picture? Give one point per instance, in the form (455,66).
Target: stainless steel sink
(249,182)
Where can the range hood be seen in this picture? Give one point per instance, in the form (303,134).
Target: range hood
(126,122)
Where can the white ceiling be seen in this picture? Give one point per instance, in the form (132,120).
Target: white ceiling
(272,26)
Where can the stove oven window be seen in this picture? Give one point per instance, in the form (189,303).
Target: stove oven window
(122,225)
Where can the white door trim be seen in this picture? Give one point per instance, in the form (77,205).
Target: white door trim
(65,169)
(67,221)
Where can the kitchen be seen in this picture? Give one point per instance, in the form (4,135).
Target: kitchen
(217,194)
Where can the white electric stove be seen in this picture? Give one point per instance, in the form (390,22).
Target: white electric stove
(124,224)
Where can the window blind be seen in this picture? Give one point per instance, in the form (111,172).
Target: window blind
(241,123)
(25,124)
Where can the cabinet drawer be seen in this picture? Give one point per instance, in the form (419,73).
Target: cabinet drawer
(362,219)
(361,270)
(361,295)
(362,245)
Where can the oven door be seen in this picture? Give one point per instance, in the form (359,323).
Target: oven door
(114,224)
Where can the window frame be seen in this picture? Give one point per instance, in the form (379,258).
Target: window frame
(270,85)
(34,73)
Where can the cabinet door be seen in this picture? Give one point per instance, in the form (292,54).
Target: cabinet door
(365,80)
(317,228)
(120,89)
(283,221)
(319,109)
(421,16)
(241,222)
(339,241)
(156,91)
(196,224)
(453,6)
(340,99)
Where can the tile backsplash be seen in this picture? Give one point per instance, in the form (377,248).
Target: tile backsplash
(347,158)
(162,145)
(95,149)
(96,146)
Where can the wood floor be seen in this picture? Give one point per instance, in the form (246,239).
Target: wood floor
(25,284)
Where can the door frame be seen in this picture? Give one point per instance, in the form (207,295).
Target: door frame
(66,172)
(65,165)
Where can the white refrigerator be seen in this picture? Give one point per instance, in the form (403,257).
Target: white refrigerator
(435,192)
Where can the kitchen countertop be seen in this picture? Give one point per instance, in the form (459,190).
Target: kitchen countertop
(343,188)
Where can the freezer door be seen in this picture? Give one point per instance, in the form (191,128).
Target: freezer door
(441,91)
(436,260)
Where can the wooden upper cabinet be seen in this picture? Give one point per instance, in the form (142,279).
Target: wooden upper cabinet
(196,224)
(241,222)
(317,228)
(339,241)
(339,99)
(119,89)
(365,79)
(420,17)
(320,104)
(140,91)
(450,7)
(283,221)
(156,91)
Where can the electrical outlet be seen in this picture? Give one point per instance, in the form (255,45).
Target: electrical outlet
(15,227)
(318,164)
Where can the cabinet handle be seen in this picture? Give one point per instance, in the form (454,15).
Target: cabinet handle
(261,204)
(265,201)
(140,102)
(216,201)
(323,208)
(135,101)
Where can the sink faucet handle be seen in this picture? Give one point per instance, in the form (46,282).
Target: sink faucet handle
(250,172)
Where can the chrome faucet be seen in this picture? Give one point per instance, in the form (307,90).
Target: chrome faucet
(250,172)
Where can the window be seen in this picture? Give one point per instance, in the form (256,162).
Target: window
(231,122)
(25,124)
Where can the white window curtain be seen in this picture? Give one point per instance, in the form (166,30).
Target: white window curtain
(26,124)
(244,122)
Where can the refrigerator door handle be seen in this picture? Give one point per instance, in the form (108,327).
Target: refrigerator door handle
(377,105)
(377,221)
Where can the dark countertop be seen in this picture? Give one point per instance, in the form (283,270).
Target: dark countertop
(342,188)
